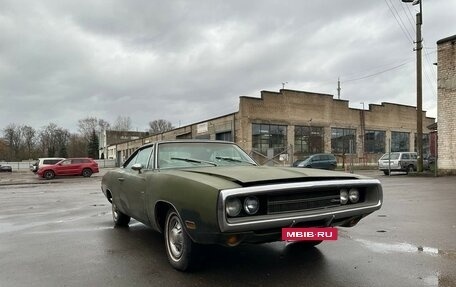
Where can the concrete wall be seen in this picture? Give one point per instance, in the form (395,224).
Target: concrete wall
(446,107)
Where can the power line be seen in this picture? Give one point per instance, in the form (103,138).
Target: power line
(378,73)
(399,21)
(431,72)
(408,15)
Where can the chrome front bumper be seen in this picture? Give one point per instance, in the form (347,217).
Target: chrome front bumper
(261,222)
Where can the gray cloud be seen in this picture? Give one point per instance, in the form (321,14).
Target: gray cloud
(186,61)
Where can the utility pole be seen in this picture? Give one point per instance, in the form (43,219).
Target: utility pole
(419,85)
(338,88)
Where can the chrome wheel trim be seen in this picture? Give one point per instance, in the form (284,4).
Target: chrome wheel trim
(115,214)
(175,238)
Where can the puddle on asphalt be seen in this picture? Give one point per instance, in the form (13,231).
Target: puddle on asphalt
(434,279)
(399,247)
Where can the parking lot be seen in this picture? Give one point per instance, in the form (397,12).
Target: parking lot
(60,233)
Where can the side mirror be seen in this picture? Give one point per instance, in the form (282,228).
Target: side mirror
(137,166)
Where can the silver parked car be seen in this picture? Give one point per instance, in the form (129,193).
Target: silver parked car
(399,161)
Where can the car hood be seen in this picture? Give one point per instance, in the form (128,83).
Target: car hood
(249,175)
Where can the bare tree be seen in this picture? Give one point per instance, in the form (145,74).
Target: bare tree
(29,137)
(122,123)
(53,140)
(13,136)
(103,125)
(89,124)
(77,146)
(159,126)
(61,141)
(86,126)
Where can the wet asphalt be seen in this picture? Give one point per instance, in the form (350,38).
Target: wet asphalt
(60,233)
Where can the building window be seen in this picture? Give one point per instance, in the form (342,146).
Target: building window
(343,141)
(308,140)
(374,141)
(225,136)
(400,141)
(426,145)
(266,136)
(184,136)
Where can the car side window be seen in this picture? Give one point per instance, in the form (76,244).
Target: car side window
(141,156)
(405,156)
(151,159)
(66,162)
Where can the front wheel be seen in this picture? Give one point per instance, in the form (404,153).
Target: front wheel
(386,172)
(120,219)
(179,246)
(308,243)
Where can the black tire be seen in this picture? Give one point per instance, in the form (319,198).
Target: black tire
(49,174)
(180,249)
(86,172)
(120,219)
(308,243)
(410,169)
(386,172)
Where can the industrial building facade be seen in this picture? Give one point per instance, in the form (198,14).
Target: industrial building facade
(281,127)
(446,104)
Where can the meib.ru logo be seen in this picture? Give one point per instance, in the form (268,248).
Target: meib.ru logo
(296,234)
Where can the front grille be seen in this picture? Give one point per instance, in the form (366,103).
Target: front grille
(303,201)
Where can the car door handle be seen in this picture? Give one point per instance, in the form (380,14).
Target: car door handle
(120,179)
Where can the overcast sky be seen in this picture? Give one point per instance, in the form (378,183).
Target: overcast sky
(187,61)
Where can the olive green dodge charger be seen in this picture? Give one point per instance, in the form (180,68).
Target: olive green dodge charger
(211,192)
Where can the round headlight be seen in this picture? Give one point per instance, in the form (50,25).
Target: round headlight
(353,195)
(233,206)
(251,205)
(343,196)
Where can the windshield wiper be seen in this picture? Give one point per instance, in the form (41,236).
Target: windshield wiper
(194,160)
(233,159)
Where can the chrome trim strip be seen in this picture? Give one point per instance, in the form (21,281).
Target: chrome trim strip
(253,224)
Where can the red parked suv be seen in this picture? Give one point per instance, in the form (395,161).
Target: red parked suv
(70,166)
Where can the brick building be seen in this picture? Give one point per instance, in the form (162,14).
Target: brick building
(280,127)
(108,138)
(446,106)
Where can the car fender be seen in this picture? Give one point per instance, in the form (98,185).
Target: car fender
(193,199)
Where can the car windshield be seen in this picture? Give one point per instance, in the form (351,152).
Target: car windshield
(386,156)
(193,154)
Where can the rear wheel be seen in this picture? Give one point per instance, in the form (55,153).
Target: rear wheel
(179,246)
(49,174)
(120,219)
(386,172)
(87,172)
(410,169)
